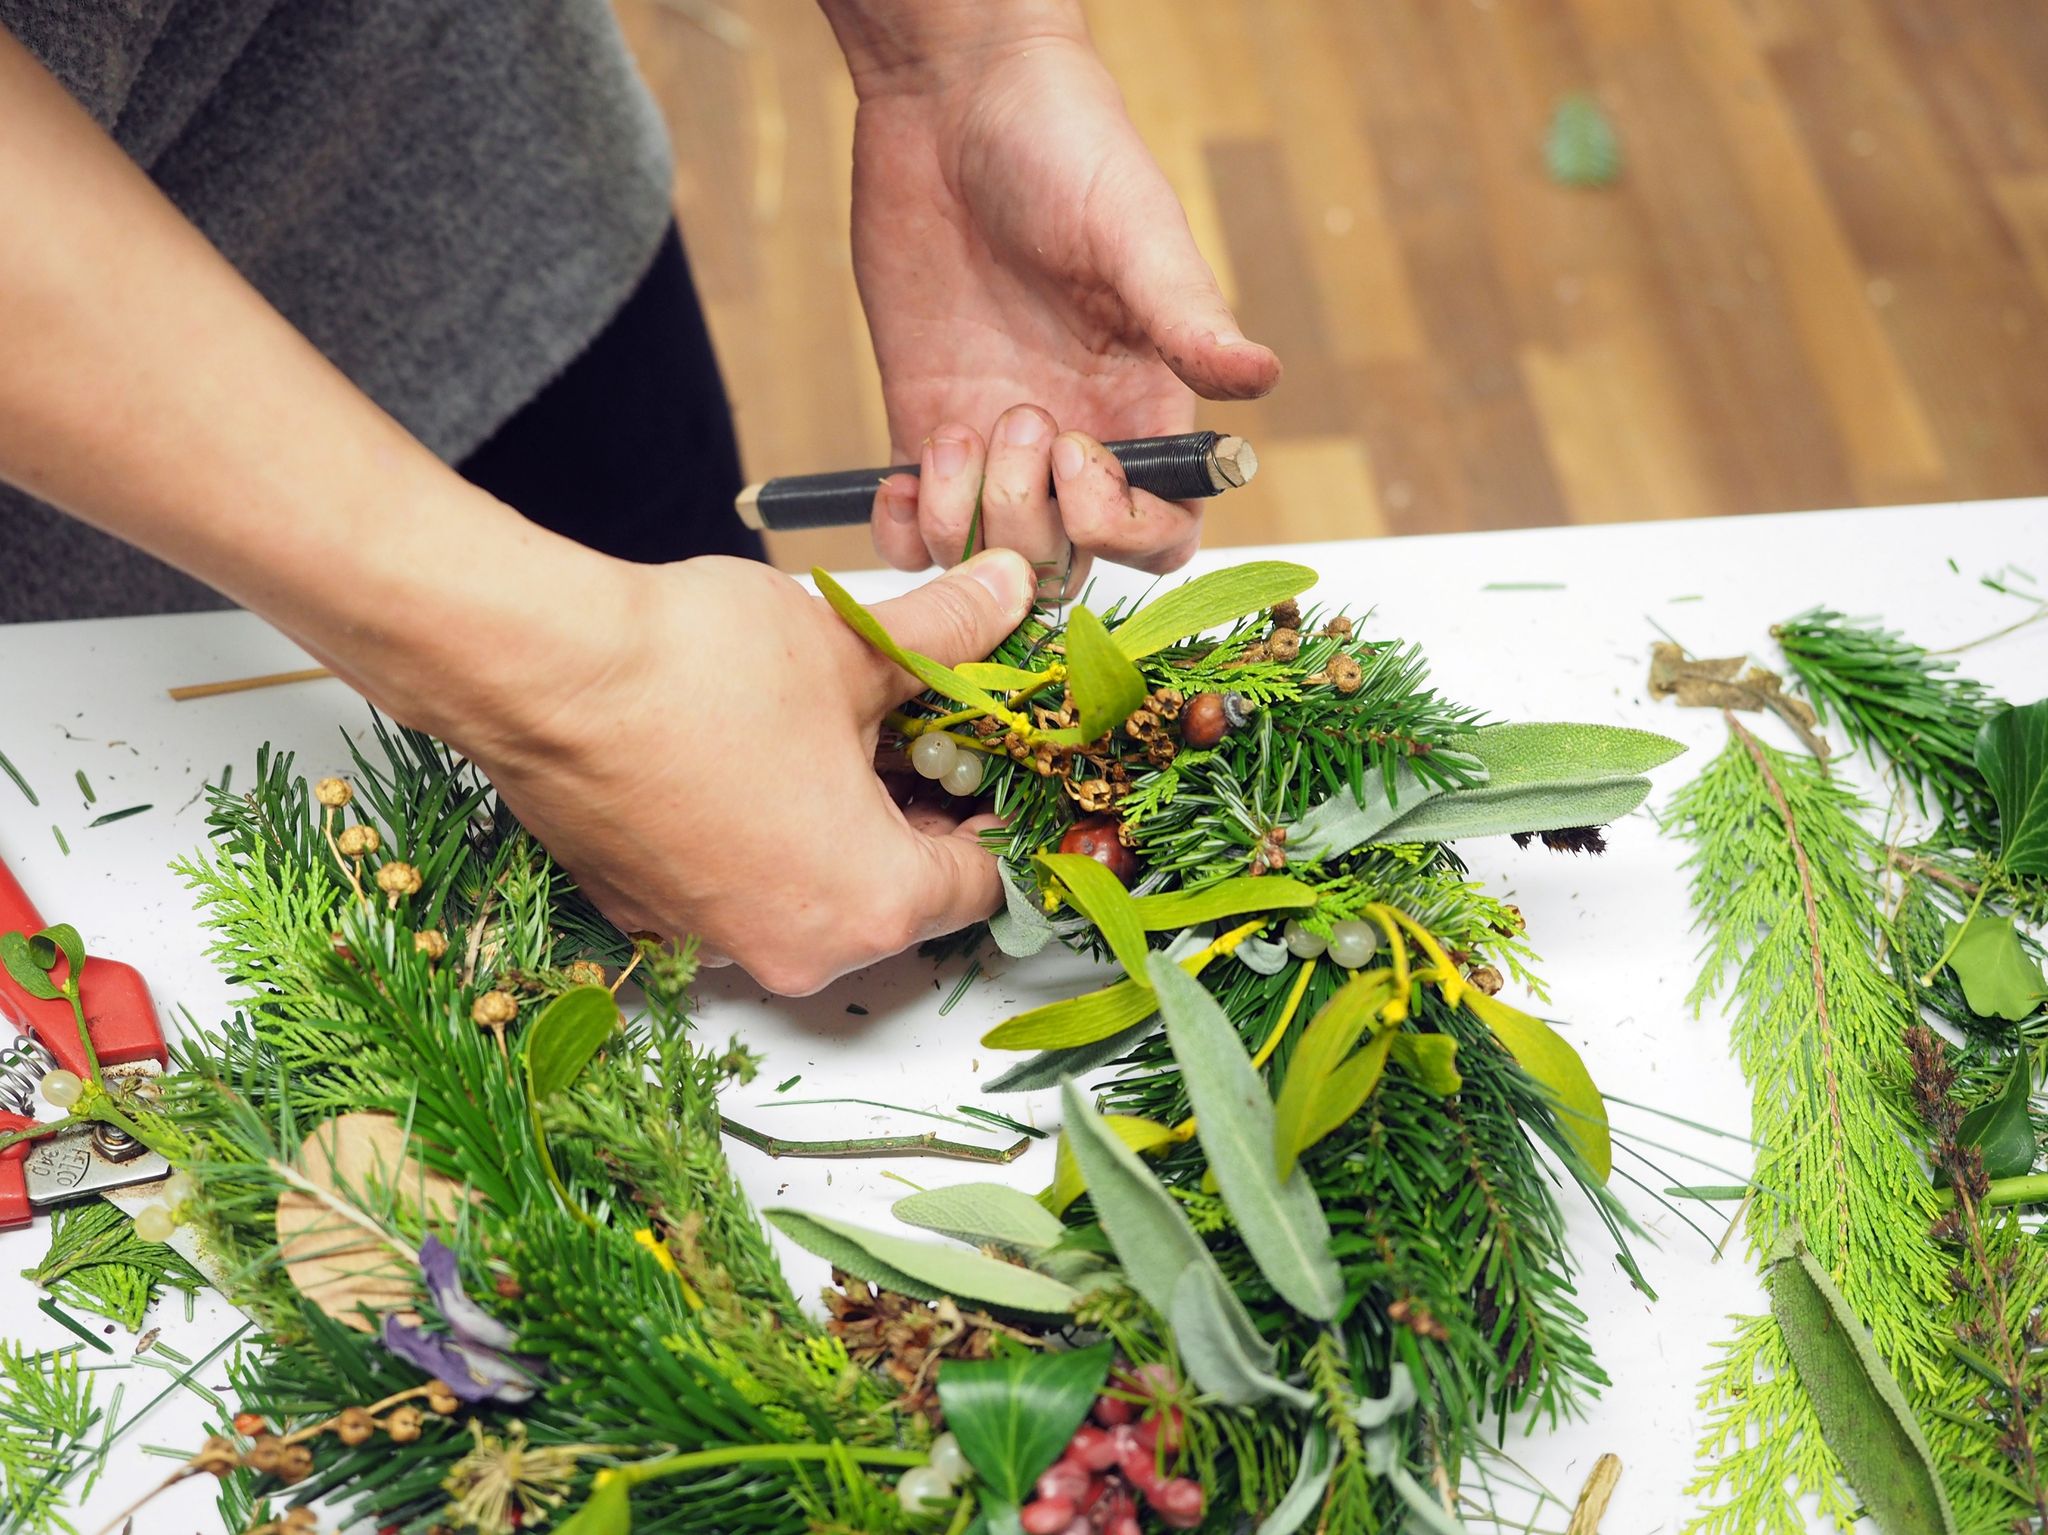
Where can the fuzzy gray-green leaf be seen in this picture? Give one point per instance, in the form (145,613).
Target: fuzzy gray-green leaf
(1223,1352)
(983,1214)
(1280,1219)
(924,1270)
(1490,812)
(1533,752)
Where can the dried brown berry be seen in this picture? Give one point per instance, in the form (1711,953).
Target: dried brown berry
(508,1287)
(1346,675)
(1283,644)
(1209,717)
(585,972)
(1287,614)
(298,1521)
(334,793)
(1338,627)
(403,1424)
(354,1426)
(494,1009)
(359,841)
(1092,795)
(296,1464)
(1487,979)
(218,1456)
(1100,838)
(441,1398)
(265,1456)
(431,942)
(398,878)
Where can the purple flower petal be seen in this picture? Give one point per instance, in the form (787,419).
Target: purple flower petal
(473,1373)
(471,1322)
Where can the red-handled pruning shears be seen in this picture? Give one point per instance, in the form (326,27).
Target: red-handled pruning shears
(121,1020)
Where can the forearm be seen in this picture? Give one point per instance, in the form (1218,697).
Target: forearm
(146,388)
(916,44)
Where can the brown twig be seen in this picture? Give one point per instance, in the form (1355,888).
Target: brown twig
(246,684)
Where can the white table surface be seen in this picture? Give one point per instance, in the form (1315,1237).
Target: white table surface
(1615,934)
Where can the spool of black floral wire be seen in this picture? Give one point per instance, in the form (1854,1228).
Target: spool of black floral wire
(1190,467)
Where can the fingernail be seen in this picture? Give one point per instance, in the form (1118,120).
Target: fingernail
(949,455)
(1229,338)
(1067,458)
(1006,576)
(1023,427)
(899,498)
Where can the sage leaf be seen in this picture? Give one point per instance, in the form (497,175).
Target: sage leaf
(2012,754)
(1047,1067)
(1105,684)
(1021,929)
(1432,1059)
(1376,1412)
(2002,1129)
(1101,897)
(1280,1218)
(1999,981)
(1177,909)
(1328,1038)
(1344,822)
(1528,752)
(1490,812)
(1223,1352)
(561,1041)
(983,1215)
(1544,1054)
(28,975)
(1863,1415)
(1261,956)
(940,679)
(924,1270)
(1219,597)
(1134,1130)
(1305,1494)
(1014,1415)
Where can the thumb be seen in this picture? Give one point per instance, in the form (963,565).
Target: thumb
(1172,294)
(961,616)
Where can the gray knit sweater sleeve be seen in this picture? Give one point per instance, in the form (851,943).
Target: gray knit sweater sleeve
(448,197)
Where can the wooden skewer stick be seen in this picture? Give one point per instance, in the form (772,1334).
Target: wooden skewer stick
(247,684)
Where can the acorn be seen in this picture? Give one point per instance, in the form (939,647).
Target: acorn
(1208,717)
(1097,837)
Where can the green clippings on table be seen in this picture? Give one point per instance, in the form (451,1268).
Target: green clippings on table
(46,1412)
(1581,149)
(96,1261)
(85,787)
(1710,1193)
(788,1082)
(117,815)
(1688,597)
(58,832)
(1001,1121)
(961,987)
(72,1325)
(20,783)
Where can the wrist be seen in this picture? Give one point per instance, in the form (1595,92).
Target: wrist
(901,47)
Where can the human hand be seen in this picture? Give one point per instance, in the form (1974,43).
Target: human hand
(711,769)
(1015,242)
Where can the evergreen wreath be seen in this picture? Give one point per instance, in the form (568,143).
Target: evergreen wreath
(1301,1251)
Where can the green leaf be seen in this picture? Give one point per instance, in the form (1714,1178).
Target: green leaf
(924,1270)
(561,1041)
(1305,1495)
(1328,1038)
(1709,1193)
(993,674)
(1047,1067)
(1490,812)
(1863,1415)
(1543,1053)
(62,938)
(939,678)
(1021,929)
(1432,1059)
(1999,981)
(1101,897)
(1078,1020)
(1174,910)
(1134,1130)
(1219,597)
(20,961)
(1280,1219)
(607,1511)
(1343,1092)
(1343,822)
(1013,1416)
(2002,1128)
(1581,149)
(983,1215)
(1105,685)
(2012,754)
(1527,752)
(1222,1350)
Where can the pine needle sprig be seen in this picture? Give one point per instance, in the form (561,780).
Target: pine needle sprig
(1899,704)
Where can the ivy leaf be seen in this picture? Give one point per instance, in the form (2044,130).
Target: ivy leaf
(1326,1041)
(21,964)
(1543,1053)
(939,678)
(1223,1352)
(1106,686)
(983,1215)
(1864,1416)
(924,1270)
(1487,811)
(1432,1059)
(1013,1416)
(1219,597)
(2012,754)
(2002,1128)
(1999,981)
(1172,910)
(1280,1218)
(561,1041)
(1101,897)
(1134,1130)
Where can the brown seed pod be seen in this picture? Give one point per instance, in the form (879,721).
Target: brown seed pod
(218,1456)
(493,1009)
(296,1464)
(431,942)
(1287,614)
(354,1426)
(398,878)
(1346,675)
(441,1398)
(1283,644)
(1487,979)
(359,841)
(1338,627)
(403,1424)
(265,1456)
(1099,837)
(334,793)
(585,972)
(1205,721)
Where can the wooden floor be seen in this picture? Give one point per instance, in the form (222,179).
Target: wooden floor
(1821,281)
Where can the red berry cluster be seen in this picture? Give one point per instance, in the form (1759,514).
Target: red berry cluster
(1110,1467)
